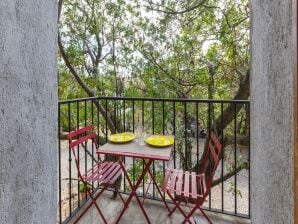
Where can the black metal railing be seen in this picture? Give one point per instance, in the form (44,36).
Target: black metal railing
(189,120)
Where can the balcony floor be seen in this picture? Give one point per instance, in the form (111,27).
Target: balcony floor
(155,210)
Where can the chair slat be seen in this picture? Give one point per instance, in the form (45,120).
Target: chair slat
(200,186)
(98,166)
(94,170)
(179,182)
(186,184)
(193,185)
(173,181)
(80,131)
(116,175)
(107,170)
(112,173)
(82,139)
(98,170)
(203,182)
(166,180)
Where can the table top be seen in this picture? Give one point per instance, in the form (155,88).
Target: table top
(133,149)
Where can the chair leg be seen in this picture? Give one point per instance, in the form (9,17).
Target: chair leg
(114,195)
(80,216)
(120,196)
(190,214)
(94,202)
(172,211)
(186,220)
(133,192)
(146,192)
(205,215)
(176,206)
(193,211)
(159,191)
(187,204)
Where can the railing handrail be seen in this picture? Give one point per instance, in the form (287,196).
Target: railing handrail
(154,99)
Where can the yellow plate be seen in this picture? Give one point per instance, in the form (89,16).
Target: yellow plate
(121,137)
(160,140)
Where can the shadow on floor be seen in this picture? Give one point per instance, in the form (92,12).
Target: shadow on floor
(156,211)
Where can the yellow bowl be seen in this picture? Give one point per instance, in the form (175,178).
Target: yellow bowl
(121,137)
(160,140)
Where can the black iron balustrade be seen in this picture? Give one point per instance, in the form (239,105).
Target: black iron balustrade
(189,120)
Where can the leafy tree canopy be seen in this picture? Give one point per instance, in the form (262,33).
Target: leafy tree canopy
(187,49)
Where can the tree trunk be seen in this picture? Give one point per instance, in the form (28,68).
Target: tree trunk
(228,116)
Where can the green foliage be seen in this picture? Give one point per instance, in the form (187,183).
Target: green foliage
(133,48)
(135,171)
(154,48)
(83,188)
(234,190)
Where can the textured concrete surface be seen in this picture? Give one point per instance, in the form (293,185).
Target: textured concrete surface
(28,111)
(156,211)
(272,112)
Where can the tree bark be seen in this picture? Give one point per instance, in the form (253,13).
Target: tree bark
(229,112)
(90,93)
(228,116)
(87,90)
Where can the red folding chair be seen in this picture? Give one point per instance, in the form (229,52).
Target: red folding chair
(103,172)
(190,186)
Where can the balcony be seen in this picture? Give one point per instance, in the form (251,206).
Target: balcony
(190,121)
(135,216)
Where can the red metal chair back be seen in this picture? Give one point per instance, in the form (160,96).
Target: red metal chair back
(78,137)
(211,160)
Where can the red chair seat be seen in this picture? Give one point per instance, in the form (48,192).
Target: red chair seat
(187,184)
(104,173)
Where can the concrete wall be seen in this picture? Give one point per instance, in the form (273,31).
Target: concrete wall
(272,112)
(28,111)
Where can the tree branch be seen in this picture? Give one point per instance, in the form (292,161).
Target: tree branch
(81,82)
(181,82)
(229,112)
(228,116)
(83,85)
(171,12)
(230,174)
(99,50)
